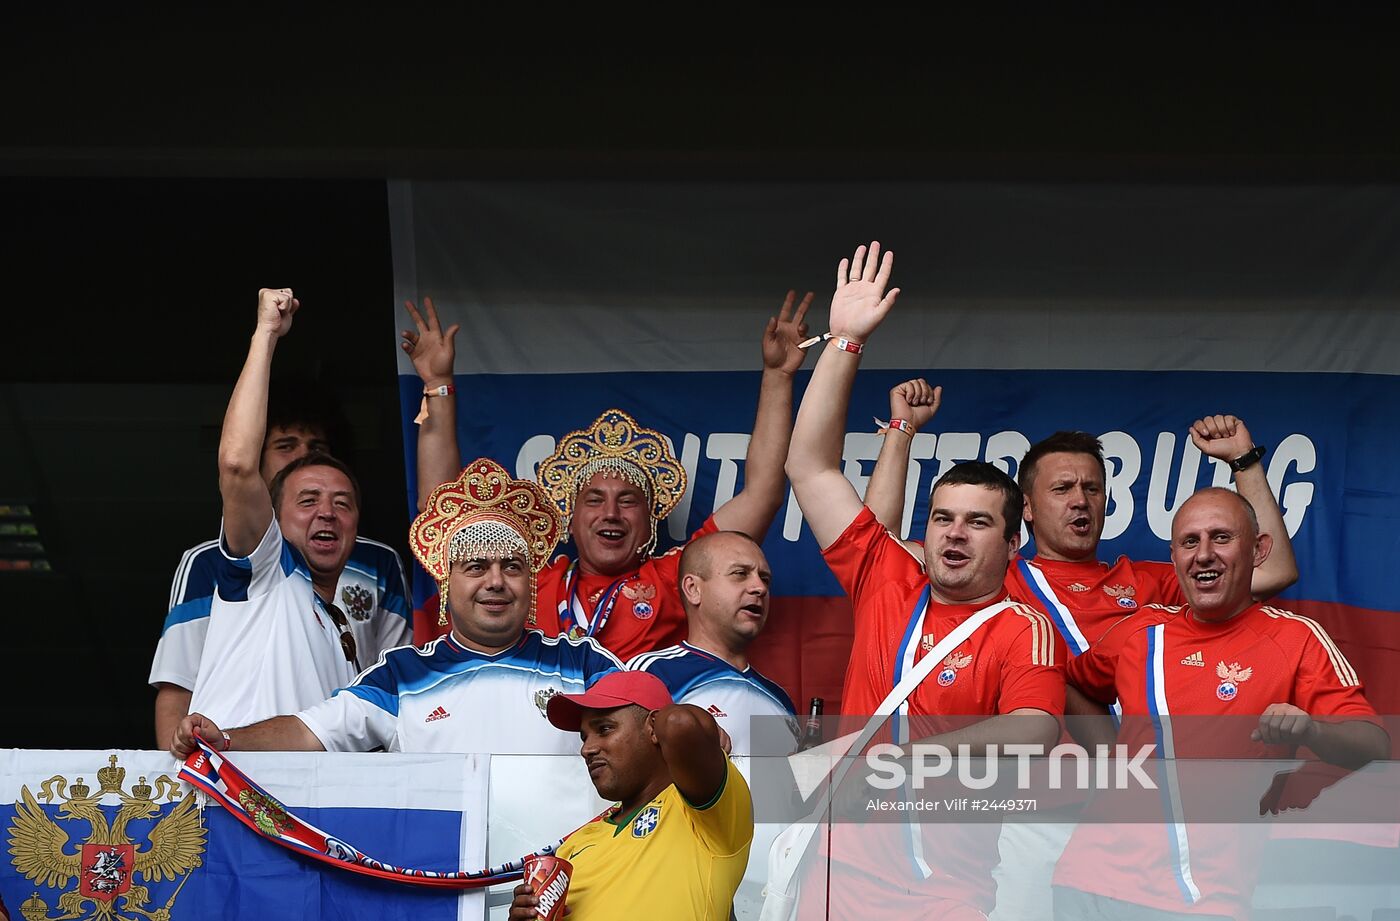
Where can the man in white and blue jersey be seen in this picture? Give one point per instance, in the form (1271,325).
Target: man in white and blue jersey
(277,638)
(370,591)
(484,686)
(724,585)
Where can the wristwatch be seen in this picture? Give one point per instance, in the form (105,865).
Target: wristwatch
(1248,459)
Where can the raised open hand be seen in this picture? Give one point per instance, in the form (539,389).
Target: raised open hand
(783,335)
(431,349)
(861,301)
(276,307)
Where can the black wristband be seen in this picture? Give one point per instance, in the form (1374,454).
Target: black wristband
(1248,459)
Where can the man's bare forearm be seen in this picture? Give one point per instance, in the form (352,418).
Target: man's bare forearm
(1280,569)
(756,505)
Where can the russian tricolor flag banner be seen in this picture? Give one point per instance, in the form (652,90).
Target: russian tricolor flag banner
(1126,311)
(115,834)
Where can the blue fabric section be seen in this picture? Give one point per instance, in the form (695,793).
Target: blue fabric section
(382,564)
(1343,489)
(190,610)
(695,668)
(230,576)
(385,699)
(200,574)
(245,876)
(292,560)
(407,671)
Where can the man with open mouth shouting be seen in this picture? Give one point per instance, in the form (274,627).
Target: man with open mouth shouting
(278,637)
(615,482)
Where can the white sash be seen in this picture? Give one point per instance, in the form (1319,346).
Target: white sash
(790,848)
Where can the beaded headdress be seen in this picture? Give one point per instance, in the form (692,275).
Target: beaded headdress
(484,514)
(615,446)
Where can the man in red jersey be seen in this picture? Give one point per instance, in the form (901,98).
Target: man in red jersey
(1005,680)
(1063,478)
(1221,654)
(615,482)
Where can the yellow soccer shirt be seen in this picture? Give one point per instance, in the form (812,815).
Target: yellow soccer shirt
(669,860)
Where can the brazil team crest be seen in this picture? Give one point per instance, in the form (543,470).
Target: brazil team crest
(646,821)
(85,853)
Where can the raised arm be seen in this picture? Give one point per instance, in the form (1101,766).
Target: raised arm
(247,504)
(1226,438)
(753,509)
(690,744)
(829,502)
(915,403)
(433,352)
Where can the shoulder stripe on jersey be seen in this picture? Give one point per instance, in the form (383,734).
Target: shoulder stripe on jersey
(1042,649)
(182,572)
(376,543)
(905,547)
(1059,612)
(580,641)
(1345,673)
(644,660)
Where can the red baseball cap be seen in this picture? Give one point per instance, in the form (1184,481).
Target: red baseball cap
(615,689)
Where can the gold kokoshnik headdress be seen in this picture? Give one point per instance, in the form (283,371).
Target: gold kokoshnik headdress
(484,514)
(615,446)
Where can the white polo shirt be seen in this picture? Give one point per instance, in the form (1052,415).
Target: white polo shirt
(271,648)
(371,592)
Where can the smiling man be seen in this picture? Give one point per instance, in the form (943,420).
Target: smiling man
(1220,655)
(615,482)
(1063,477)
(485,685)
(676,843)
(1002,685)
(277,640)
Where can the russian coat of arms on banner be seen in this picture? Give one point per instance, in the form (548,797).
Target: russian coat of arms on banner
(83,851)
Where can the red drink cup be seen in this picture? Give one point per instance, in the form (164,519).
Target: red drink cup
(549,875)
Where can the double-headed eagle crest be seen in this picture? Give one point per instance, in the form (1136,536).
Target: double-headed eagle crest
(1231,677)
(107,862)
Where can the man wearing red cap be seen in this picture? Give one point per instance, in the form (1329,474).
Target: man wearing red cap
(676,844)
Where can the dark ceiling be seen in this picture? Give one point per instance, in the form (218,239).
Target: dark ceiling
(154,175)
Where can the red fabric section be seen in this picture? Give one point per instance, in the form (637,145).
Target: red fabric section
(805,648)
(425,622)
(807,644)
(1370,639)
